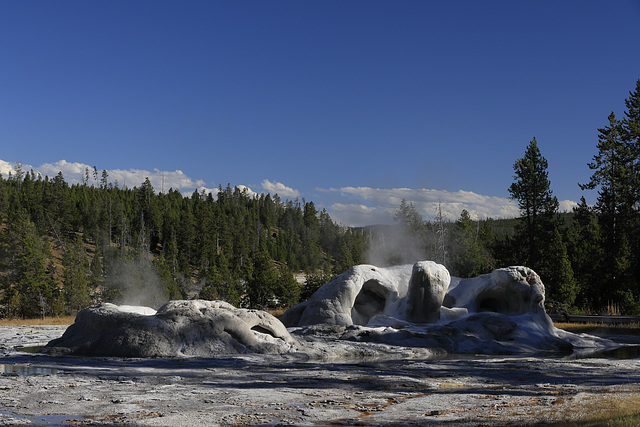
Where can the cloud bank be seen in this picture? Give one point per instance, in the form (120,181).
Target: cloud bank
(162,181)
(351,206)
(75,173)
(367,205)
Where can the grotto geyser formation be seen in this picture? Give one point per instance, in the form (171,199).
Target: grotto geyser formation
(368,310)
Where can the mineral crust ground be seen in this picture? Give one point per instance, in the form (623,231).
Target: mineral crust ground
(288,390)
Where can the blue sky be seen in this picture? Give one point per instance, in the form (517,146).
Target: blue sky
(354,105)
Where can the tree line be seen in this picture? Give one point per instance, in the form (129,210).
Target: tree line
(588,260)
(63,247)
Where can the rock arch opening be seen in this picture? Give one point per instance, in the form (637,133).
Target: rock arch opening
(501,301)
(370,301)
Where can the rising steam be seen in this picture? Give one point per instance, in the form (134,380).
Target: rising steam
(395,245)
(135,282)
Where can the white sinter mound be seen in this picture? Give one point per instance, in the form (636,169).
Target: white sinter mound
(420,305)
(366,312)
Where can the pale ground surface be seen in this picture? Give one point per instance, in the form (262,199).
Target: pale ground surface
(269,390)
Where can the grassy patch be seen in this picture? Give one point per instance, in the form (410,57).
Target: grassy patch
(599,328)
(66,320)
(277,312)
(614,411)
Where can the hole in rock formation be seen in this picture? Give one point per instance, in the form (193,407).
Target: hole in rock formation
(370,301)
(263,330)
(501,301)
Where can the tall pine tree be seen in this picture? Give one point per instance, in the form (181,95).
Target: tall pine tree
(538,206)
(537,236)
(612,176)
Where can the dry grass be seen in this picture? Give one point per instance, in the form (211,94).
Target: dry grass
(595,328)
(66,320)
(614,411)
(596,325)
(277,312)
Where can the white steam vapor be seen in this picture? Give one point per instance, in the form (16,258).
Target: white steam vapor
(395,245)
(135,282)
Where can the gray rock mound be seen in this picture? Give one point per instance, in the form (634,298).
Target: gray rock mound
(179,328)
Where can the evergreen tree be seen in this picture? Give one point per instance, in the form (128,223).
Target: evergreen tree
(344,260)
(613,176)
(558,272)
(537,237)
(408,217)
(28,291)
(288,289)
(76,276)
(141,237)
(470,257)
(313,282)
(631,136)
(586,254)
(630,130)
(214,283)
(171,288)
(407,243)
(262,285)
(538,206)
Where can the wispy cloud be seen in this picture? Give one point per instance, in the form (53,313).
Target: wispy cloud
(280,189)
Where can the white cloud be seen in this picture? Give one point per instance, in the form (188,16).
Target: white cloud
(74,173)
(280,189)
(567,205)
(367,205)
(356,214)
(249,191)
(380,204)
(6,168)
(353,206)
(160,180)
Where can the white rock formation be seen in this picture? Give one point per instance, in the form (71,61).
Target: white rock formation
(179,328)
(497,313)
(355,297)
(512,291)
(366,312)
(422,293)
(427,287)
